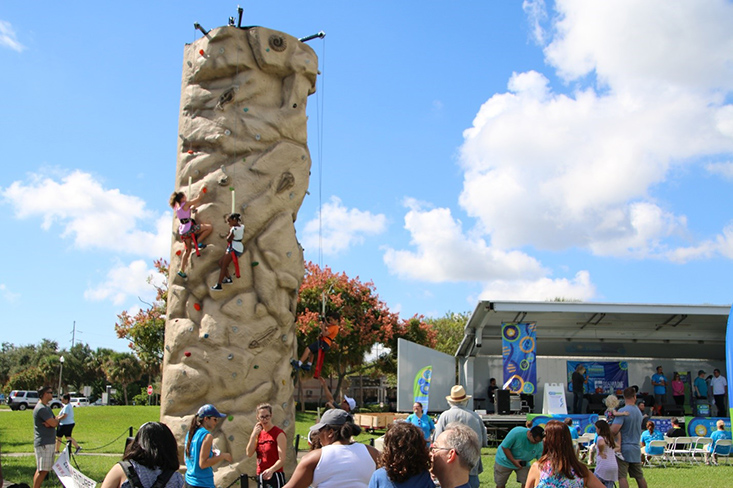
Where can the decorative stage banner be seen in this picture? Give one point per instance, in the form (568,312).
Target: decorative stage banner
(421,387)
(703,426)
(585,423)
(604,377)
(519,343)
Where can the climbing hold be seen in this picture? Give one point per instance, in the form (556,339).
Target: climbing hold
(178,253)
(285,405)
(295,105)
(190,151)
(231,188)
(289,254)
(257,367)
(206,336)
(197,306)
(267,50)
(190,64)
(183,372)
(235,328)
(303,157)
(184,428)
(246,109)
(196,173)
(190,329)
(203,190)
(286,422)
(168,348)
(201,52)
(231,356)
(292,195)
(244,160)
(230,418)
(231,437)
(221,50)
(234,375)
(227,132)
(255,263)
(187,354)
(283,382)
(284,337)
(257,137)
(239,302)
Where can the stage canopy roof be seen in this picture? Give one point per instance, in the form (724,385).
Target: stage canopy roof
(602,329)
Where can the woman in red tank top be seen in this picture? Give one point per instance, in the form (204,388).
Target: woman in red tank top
(268,441)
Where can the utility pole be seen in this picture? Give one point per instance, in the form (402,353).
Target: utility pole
(73,335)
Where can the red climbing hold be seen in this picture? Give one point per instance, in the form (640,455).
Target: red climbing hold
(190,151)
(187,354)
(203,190)
(197,306)
(201,52)
(178,253)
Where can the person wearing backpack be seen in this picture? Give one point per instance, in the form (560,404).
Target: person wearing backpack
(150,461)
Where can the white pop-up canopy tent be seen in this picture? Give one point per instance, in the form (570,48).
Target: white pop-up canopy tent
(678,337)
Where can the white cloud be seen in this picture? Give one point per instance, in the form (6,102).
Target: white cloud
(579,170)
(444,252)
(536,15)
(578,288)
(8,295)
(123,282)
(724,169)
(8,38)
(94,216)
(342,227)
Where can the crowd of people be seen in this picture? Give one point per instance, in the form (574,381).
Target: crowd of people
(417,452)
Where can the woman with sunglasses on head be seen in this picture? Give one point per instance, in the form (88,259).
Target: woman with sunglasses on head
(268,441)
(340,462)
(559,465)
(405,461)
(199,454)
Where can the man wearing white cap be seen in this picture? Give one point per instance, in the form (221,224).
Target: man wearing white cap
(459,413)
(348,403)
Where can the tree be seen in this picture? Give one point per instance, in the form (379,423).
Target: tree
(365,320)
(123,368)
(449,331)
(414,329)
(146,329)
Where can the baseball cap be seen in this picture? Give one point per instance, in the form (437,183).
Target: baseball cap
(334,416)
(351,402)
(209,410)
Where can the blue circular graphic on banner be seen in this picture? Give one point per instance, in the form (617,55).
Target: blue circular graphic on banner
(510,332)
(528,388)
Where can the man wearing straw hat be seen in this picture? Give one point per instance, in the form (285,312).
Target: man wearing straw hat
(457,400)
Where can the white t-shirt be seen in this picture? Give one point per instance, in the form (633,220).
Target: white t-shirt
(238,232)
(343,466)
(718,385)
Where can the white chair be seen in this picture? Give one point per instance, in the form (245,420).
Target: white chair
(723,445)
(681,448)
(700,446)
(659,446)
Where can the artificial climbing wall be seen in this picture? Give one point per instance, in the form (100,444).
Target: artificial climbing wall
(242,138)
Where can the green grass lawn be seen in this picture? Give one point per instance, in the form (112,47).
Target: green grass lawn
(104,429)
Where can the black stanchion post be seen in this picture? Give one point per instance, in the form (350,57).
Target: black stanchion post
(297,442)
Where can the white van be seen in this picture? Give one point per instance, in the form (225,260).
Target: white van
(79,401)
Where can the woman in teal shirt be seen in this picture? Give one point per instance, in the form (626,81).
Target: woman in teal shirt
(200,456)
(422,420)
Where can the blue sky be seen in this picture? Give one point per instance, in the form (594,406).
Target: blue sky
(462,150)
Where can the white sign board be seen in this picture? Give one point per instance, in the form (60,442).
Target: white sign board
(554,402)
(68,475)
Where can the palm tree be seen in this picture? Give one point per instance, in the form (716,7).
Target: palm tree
(123,368)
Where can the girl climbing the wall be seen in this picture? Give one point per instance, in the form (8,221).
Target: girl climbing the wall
(198,448)
(234,238)
(188,227)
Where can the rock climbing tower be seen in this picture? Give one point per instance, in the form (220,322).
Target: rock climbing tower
(242,138)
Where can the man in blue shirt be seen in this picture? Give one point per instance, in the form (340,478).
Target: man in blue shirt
(630,428)
(659,381)
(519,447)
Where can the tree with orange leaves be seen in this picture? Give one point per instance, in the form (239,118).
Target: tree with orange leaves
(365,320)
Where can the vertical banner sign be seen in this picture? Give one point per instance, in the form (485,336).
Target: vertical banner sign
(729,361)
(421,388)
(519,343)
